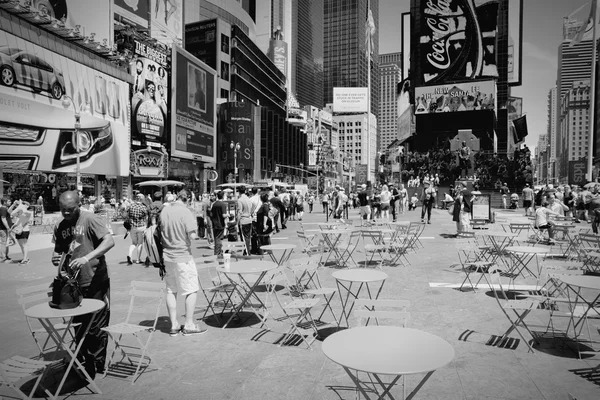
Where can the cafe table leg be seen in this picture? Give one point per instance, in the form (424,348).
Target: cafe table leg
(577,300)
(245,296)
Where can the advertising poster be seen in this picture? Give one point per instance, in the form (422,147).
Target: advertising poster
(93,17)
(278,53)
(201,41)
(515,42)
(136,12)
(481,207)
(406,120)
(194,114)
(150,94)
(514,106)
(455,97)
(458,39)
(236,124)
(35,81)
(405,49)
(577,172)
(166,18)
(350,99)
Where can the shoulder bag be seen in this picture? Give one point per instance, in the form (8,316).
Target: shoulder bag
(66,292)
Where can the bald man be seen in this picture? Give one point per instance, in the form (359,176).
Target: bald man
(87,239)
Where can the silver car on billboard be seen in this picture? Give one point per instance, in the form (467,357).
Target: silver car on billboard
(19,67)
(48,141)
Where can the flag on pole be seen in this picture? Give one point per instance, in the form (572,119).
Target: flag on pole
(586,27)
(370,33)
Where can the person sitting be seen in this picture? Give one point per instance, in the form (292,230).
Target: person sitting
(542,220)
(446,201)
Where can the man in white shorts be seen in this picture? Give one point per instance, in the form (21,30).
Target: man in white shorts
(178,227)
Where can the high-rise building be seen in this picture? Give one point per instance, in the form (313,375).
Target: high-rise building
(242,14)
(574,120)
(390,73)
(570,27)
(551,131)
(345,63)
(574,64)
(353,135)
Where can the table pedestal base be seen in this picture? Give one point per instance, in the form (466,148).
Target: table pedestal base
(376,382)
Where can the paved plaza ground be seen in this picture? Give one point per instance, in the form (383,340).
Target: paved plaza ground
(247,363)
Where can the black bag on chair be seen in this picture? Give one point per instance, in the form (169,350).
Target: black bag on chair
(66,292)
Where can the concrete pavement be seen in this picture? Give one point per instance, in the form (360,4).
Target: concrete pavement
(247,363)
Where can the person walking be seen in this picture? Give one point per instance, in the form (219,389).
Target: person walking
(363,202)
(394,201)
(403,199)
(462,208)
(264,223)
(310,201)
(177,227)
(527,200)
(325,202)
(138,216)
(385,197)
(22,215)
(427,199)
(87,235)
(218,216)
(278,209)
(5,225)
(244,218)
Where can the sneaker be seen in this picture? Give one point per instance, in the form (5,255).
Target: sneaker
(194,331)
(129,262)
(174,331)
(25,261)
(429,222)
(140,262)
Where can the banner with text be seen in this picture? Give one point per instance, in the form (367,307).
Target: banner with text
(193,112)
(577,172)
(236,124)
(350,99)
(456,97)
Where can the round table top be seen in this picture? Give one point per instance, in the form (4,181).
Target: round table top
(527,249)
(43,310)
(388,350)
(582,281)
(360,275)
(497,234)
(278,246)
(248,267)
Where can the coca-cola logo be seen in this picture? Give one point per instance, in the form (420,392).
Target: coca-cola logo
(443,23)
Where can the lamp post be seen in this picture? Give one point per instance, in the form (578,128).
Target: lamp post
(236,148)
(78,143)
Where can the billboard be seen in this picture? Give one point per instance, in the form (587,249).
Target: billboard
(350,99)
(406,120)
(514,106)
(39,132)
(455,97)
(150,94)
(193,109)
(405,48)
(515,42)
(166,21)
(577,172)
(136,12)
(458,40)
(362,177)
(236,124)
(278,53)
(201,41)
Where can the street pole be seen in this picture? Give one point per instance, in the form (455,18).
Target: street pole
(236,148)
(66,102)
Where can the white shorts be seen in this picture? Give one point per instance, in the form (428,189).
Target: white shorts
(183,276)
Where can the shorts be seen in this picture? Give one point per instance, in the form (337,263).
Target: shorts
(22,235)
(182,277)
(299,208)
(526,203)
(137,235)
(3,237)
(385,207)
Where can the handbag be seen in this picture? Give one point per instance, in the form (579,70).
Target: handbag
(451,209)
(127,224)
(66,292)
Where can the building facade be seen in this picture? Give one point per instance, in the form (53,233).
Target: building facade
(551,132)
(353,138)
(390,74)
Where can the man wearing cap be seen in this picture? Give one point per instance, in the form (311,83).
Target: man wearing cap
(427,199)
(527,199)
(363,202)
(462,207)
(138,216)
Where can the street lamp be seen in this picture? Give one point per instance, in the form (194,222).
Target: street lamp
(81,140)
(236,147)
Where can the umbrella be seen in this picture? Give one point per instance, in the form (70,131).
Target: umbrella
(161,183)
(227,190)
(590,185)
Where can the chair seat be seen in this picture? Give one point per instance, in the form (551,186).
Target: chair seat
(125,328)
(17,368)
(224,287)
(320,291)
(302,303)
(522,304)
(375,247)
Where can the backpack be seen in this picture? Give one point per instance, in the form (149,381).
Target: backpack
(153,247)
(286,201)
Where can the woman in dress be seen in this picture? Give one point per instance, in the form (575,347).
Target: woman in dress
(22,217)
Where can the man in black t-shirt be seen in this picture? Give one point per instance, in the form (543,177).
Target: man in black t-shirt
(5,224)
(363,202)
(86,239)
(218,212)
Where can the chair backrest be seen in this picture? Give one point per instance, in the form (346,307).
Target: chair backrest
(306,273)
(150,292)
(33,295)
(382,309)
(235,248)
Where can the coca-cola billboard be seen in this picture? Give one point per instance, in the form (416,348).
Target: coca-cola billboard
(458,40)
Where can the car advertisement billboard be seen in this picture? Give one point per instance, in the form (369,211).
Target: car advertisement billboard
(350,99)
(92,18)
(39,132)
(193,112)
(150,94)
(201,41)
(136,12)
(166,21)
(455,97)
(458,40)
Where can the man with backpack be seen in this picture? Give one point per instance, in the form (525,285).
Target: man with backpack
(283,212)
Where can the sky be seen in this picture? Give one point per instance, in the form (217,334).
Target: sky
(542,34)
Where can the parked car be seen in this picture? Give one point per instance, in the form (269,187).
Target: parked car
(20,67)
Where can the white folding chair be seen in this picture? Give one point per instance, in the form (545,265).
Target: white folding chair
(215,290)
(296,311)
(236,249)
(374,245)
(381,309)
(31,296)
(18,370)
(152,294)
(470,259)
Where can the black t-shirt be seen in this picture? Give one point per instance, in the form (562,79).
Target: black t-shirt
(261,214)
(363,198)
(216,214)
(276,201)
(4,213)
(89,231)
